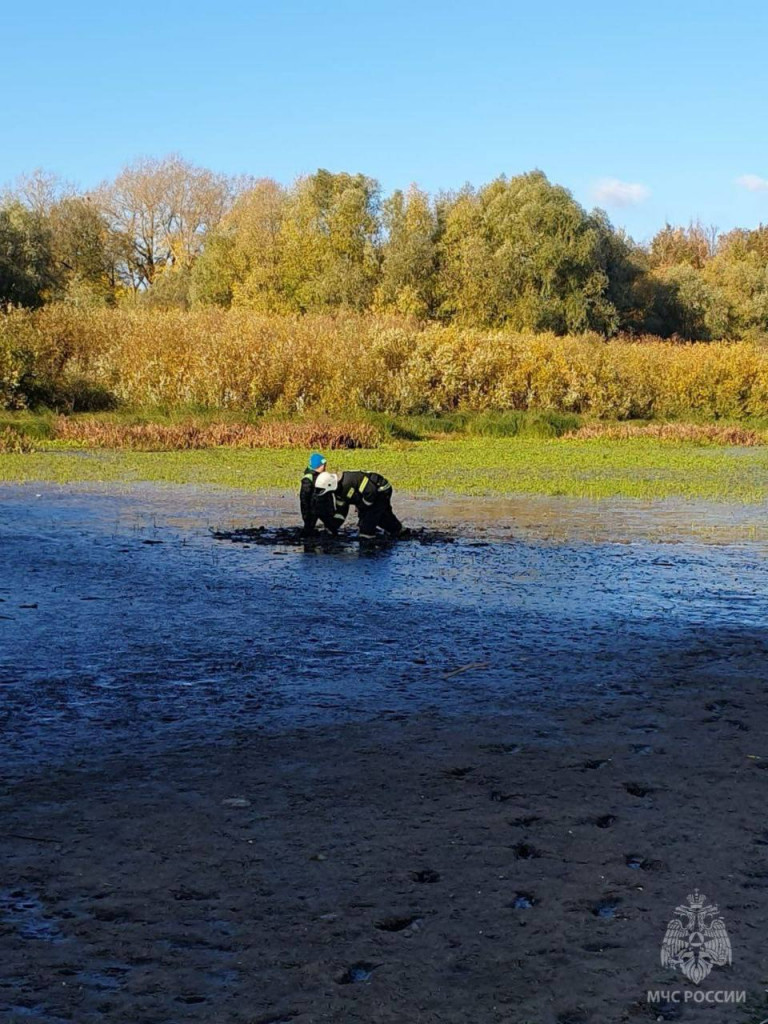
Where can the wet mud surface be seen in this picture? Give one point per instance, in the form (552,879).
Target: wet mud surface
(322,540)
(467,778)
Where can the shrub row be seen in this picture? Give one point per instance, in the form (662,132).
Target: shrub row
(81,359)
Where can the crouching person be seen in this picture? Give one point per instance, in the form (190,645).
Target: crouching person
(370,493)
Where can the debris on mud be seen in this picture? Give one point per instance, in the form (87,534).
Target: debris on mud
(293,536)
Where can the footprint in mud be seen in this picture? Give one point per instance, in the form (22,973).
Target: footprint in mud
(459,773)
(500,798)
(667,1011)
(191,999)
(425,877)
(524,822)
(607,908)
(605,820)
(404,925)
(717,706)
(576,1016)
(638,789)
(636,863)
(357,973)
(591,766)
(523,901)
(524,851)
(193,894)
(600,947)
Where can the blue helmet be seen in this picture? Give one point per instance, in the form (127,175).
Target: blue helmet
(316,462)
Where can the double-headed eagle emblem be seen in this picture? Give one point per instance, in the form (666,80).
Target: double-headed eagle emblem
(696,939)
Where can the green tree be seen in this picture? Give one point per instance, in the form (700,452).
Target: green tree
(329,242)
(686,304)
(84,250)
(27,268)
(240,264)
(409,254)
(740,271)
(522,252)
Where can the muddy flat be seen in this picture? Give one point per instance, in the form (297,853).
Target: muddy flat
(469,779)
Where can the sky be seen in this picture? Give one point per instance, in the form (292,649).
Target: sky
(655,111)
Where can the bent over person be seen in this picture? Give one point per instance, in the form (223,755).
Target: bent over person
(370,493)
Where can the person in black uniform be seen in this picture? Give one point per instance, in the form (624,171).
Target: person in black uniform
(370,493)
(315,466)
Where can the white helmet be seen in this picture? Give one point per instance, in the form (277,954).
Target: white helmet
(326,482)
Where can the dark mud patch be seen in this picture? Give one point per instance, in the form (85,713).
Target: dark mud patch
(525,851)
(294,537)
(426,876)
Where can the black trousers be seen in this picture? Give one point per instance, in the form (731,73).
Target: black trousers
(379,514)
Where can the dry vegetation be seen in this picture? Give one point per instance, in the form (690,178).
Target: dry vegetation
(694,433)
(332,364)
(13,442)
(95,433)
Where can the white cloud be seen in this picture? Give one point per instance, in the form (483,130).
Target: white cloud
(753,182)
(613,192)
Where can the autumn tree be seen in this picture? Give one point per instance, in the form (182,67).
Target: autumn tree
(241,261)
(329,242)
(739,270)
(409,254)
(676,246)
(161,210)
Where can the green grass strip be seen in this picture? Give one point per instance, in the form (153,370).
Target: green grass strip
(596,469)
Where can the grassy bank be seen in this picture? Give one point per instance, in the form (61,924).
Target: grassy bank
(634,468)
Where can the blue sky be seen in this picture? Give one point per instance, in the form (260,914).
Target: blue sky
(654,110)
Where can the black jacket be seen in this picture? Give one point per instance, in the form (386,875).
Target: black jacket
(355,487)
(361,488)
(306,498)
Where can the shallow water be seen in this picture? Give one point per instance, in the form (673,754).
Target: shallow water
(124,623)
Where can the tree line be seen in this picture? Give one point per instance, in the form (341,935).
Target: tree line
(519,252)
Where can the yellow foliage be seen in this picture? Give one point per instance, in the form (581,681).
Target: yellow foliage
(239,359)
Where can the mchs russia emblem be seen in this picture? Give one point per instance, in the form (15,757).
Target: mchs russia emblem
(696,939)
